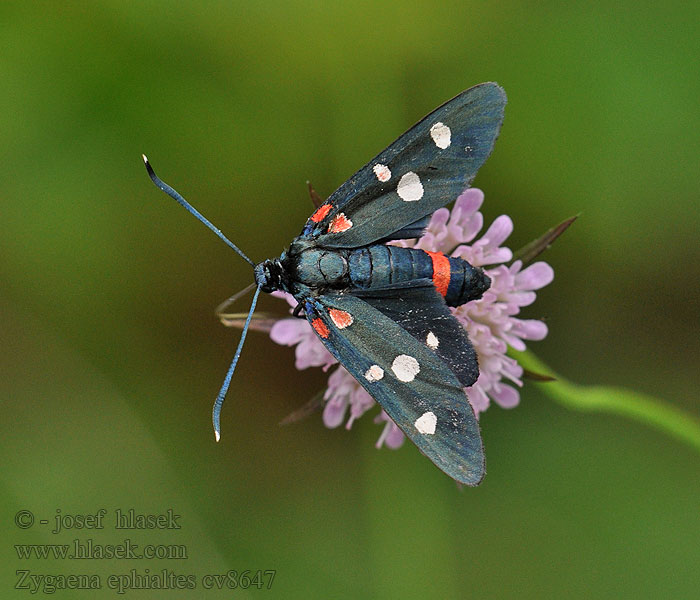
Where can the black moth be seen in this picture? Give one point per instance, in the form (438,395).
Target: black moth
(382,310)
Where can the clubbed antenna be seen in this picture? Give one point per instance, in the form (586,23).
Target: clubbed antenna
(227,380)
(191,209)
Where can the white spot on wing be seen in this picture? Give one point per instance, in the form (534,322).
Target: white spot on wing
(374,373)
(382,172)
(426,423)
(432,341)
(405,367)
(410,188)
(441,135)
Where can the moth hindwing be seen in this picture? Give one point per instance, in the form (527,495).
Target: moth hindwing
(411,383)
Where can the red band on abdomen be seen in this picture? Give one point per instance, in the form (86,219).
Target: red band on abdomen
(441,271)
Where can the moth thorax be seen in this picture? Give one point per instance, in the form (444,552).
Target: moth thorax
(319,268)
(333,266)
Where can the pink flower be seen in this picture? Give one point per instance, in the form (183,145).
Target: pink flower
(491,321)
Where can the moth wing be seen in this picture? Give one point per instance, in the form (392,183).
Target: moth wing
(411,383)
(419,308)
(427,167)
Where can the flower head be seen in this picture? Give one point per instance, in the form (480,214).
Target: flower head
(491,322)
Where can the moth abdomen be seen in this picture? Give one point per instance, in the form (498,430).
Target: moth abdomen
(466,283)
(379,266)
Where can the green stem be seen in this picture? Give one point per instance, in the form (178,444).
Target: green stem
(641,407)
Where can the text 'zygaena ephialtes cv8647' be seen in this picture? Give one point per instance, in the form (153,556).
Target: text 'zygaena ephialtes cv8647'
(382,310)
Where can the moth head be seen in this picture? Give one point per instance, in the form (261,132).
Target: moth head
(270,275)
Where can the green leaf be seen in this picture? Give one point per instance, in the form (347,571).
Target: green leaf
(626,403)
(532,250)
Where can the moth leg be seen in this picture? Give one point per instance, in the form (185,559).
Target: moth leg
(297,311)
(220,310)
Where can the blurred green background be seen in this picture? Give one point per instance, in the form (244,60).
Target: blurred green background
(112,354)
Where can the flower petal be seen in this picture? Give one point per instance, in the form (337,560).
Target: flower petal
(465,221)
(435,232)
(530,329)
(467,232)
(497,255)
(522,298)
(395,438)
(288,332)
(534,277)
(514,342)
(468,202)
(360,402)
(311,353)
(391,435)
(477,398)
(499,231)
(504,395)
(285,296)
(334,412)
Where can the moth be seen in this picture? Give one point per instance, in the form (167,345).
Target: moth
(383,310)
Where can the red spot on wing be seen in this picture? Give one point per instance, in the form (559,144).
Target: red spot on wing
(441,271)
(321,213)
(341,318)
(320,327)
(339,223)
